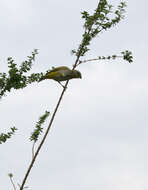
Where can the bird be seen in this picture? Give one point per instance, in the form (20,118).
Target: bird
(62,73)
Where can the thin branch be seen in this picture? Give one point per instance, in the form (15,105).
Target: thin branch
(96,59)
(44,137)
(33,149)
(88,60)
(13,183)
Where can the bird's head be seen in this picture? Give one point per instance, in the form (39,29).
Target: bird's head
(77,74)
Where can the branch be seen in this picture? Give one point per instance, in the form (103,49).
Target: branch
(10,176)
(33,149)
(125,55)
(44,137)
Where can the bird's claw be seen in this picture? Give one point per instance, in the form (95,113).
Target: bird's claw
(65,87)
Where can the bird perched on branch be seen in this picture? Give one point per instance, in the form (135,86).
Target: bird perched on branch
(61,74)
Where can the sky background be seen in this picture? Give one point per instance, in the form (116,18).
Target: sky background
(99,139)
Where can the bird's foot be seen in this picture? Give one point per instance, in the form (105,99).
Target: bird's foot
(65,87)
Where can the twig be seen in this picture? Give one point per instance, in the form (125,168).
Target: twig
(96,59)
(12,183)
(33,149)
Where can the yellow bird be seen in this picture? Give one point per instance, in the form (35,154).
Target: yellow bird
(61,74)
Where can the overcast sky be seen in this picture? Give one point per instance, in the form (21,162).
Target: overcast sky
(99,139)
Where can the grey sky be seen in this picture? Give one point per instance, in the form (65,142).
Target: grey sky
(99,138)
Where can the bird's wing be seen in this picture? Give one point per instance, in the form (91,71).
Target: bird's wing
(53,74)
(59,69)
